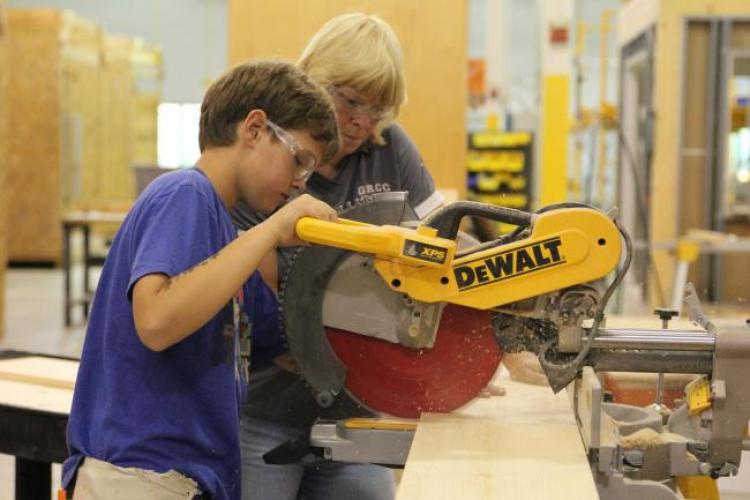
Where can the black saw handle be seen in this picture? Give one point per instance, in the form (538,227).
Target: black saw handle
(447,219)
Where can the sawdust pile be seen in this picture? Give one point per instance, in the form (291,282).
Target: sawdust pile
(649,438)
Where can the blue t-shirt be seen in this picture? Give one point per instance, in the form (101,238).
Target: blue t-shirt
(179,408)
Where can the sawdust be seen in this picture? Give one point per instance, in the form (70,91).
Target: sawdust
(649,438)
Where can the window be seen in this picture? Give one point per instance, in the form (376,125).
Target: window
(178,134)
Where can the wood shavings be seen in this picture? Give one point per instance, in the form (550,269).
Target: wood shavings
(649,438)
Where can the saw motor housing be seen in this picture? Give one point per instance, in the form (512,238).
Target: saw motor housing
(562,248)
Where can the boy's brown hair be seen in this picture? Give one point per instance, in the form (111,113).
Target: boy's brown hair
(288,96)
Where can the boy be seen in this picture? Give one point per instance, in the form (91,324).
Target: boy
(157,399)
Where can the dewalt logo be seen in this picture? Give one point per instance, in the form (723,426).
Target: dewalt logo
(504,265)
(424,251)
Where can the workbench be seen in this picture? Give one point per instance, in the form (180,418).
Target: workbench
(83,220)
(36,393)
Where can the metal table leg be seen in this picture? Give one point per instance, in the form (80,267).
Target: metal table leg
(66,271)
(86,269)
(33,480)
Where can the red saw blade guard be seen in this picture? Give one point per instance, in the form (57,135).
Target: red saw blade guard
(406,382)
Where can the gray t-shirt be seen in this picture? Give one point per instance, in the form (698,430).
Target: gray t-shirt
(283,397)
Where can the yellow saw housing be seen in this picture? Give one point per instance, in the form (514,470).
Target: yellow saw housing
(565,247)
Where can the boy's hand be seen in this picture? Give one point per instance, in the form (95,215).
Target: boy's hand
(284,221)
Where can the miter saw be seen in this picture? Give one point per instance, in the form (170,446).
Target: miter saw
(398,315)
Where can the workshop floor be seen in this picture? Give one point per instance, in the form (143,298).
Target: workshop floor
(34,323)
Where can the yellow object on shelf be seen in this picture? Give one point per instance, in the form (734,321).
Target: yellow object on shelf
(493,139)
(496,161)
(494,181)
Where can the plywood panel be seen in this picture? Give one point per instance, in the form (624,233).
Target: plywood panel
(54,106)
(524,445)
(81,96)
(4,70)
(664,179)
(740,39)
(34,179)
(116,178)
(434,40)
(694,194)
(36,397)
(148,73)
(51,372)
(131,91)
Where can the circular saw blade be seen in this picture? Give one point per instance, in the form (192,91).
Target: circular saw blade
(406,382)
(382,375)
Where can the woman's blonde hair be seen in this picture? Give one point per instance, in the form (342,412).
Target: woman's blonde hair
(359,51)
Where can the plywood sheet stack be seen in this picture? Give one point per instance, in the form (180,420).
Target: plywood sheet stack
(81,59)
(148,73)
(52,103)
(131,95)
(115,176)
(3,158)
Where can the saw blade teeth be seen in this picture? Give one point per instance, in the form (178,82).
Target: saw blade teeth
(280,299)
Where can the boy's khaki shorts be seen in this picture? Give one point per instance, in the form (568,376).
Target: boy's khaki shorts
(99,480)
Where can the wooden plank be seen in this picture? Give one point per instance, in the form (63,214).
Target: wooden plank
(50,372)
(434,42)
(524,445)
(131,91)
(81,86)
(148,72)
(35,397)
(54,105)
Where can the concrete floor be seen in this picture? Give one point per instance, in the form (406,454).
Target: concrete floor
(34,323)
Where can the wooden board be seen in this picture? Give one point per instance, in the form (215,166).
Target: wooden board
(116,182)
(50,372)
(524,445)
(34,146)
(131,88)
(434,40)
(148,76)
(35,397)
(53,106)
(81,100)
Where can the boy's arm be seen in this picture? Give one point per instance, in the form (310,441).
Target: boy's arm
(243,219)
(168,309)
